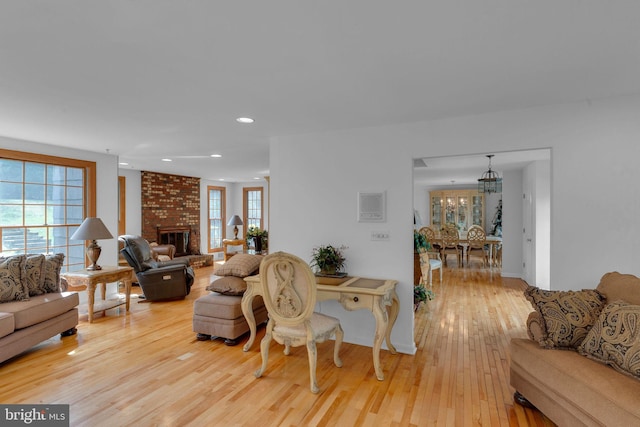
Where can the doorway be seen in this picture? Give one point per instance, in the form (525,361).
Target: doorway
(516,168)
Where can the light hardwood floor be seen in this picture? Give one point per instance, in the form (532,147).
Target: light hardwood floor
(146,368)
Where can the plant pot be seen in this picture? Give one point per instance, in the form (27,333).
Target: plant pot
(257,243)
(329,271)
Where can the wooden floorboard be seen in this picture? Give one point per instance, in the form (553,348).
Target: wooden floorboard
(146,368)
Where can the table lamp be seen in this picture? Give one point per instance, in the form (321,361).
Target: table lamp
(235,221)
(92,229)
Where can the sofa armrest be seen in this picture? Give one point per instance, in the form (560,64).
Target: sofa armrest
(536,329)
(167,250)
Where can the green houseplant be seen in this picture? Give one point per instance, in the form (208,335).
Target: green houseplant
(260,238)
(328,259)
(421,294)
(420,243)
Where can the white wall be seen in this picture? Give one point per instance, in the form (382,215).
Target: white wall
(315,179)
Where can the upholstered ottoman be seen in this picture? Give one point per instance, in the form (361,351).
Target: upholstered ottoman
(220,316)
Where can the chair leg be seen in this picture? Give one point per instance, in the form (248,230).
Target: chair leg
(264,351)
(440,274)
(337,345)
(313,360)
(430,277)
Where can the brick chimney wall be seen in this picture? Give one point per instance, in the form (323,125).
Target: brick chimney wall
(170,201)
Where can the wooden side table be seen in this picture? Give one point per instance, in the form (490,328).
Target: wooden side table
(85,279)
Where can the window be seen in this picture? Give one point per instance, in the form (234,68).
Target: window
(253,207)
(43,200)
(217,196)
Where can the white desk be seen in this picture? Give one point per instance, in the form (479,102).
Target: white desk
(354,293)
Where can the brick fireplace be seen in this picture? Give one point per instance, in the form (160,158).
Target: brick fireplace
(170,205)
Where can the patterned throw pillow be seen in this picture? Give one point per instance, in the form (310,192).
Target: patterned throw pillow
(52,267)
(615,338)
(12,287)
(567,315)
(240,265)
(228,285)
(34,274)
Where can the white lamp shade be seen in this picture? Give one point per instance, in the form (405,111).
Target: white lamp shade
(91,229)
(235,220)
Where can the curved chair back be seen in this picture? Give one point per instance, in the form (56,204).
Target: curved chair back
(429,234)
(476,237)
(289,288)
(450,237)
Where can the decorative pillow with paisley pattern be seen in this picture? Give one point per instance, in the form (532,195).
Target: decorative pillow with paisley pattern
(568,315)
(615,338)
(34,274)
(52,267)
(12,288)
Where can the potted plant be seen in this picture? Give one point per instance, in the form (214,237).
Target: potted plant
(420,243)
(259,237)
(421,294)
(328,259)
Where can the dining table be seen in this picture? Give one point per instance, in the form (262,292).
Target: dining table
(493,242)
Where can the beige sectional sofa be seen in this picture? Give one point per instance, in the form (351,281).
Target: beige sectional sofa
(33,304)
(581,365)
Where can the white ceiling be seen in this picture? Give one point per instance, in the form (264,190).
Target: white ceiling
(147,79)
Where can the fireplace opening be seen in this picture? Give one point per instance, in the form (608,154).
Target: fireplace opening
(180,237)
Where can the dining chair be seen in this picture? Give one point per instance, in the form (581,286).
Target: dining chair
(451,244)
(429,261)
(476,241)
(289,293)
(431,237)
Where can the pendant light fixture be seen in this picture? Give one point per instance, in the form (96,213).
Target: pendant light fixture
(490,181)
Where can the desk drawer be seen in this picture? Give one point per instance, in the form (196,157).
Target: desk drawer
(354,301)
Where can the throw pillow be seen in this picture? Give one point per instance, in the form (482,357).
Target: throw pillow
(567,315)
(34,274)
(12,287)
(228,285)
(52,267)
(615,338)
(240,265)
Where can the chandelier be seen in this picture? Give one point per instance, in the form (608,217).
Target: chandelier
(490,181)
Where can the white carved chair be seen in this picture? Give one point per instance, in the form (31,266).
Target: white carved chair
(289,293)
(429,261)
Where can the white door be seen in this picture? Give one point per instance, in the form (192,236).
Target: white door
(528,231)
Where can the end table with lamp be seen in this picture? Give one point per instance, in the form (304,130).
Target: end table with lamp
(93,229)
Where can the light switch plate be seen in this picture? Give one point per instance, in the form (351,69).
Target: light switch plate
(380,235)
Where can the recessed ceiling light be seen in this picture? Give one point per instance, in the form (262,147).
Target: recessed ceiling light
(167,160)
(123,164)
(216,155)
(221,179)
(244,120)
(255,177)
